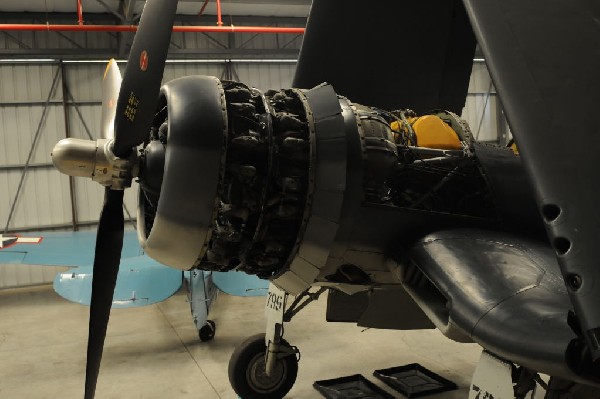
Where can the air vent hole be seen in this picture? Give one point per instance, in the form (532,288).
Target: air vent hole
(551,212)
(561,245)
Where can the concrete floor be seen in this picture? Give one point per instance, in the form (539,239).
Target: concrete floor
(154,351)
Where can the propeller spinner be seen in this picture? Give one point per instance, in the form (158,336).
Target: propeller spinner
(127,112)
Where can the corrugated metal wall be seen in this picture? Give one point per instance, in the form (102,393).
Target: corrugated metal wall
(481,108)
(23,91)
(44,199)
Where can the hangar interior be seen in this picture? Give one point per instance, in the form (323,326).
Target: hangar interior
(50,89)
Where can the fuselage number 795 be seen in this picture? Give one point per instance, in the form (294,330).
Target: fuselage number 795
(275,301)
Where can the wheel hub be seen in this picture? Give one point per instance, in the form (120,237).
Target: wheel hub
(258,378)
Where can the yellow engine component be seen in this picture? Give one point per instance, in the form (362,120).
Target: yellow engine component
(400,128)
(430,131)
(433,132)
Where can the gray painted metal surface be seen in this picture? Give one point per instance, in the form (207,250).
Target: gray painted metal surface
(546,96)
(503,291)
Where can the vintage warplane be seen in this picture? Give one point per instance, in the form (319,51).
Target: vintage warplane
(307,187)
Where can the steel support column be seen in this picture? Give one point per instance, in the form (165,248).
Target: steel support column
(484,109)
(501,123)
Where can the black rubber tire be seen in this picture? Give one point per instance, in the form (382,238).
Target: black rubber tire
(247,358)
(207,332)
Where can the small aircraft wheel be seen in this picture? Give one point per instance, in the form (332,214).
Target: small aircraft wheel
(207,332)
(247,371)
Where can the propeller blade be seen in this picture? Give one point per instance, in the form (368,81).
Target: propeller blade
(109,243)
(143,75)
(111,84)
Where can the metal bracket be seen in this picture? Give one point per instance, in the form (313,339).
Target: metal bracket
(112,171)
(301,302)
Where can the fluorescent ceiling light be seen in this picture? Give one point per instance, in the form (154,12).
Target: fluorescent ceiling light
(179,61)
(191,61)
(27,60)
(199,61)
(91,61)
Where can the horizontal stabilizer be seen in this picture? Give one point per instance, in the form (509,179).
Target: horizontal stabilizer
(240,284)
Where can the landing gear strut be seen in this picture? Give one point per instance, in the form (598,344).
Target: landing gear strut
(201,294)
(265,366)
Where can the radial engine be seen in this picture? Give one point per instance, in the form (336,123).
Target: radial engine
(299,186)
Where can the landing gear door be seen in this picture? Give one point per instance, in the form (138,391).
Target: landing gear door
(274,309)
(492,379)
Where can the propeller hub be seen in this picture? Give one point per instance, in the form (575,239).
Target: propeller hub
(96,160)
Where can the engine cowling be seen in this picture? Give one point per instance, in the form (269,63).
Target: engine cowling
(180,171)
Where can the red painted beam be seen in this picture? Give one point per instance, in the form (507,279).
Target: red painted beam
(133,28)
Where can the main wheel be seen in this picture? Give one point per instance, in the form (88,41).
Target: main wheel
(207,332)
(247,371)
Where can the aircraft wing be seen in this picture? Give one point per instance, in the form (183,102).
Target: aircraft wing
(141,281)
(391,54)
(544,58)
(500,290)
(240,284)
(58,248)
